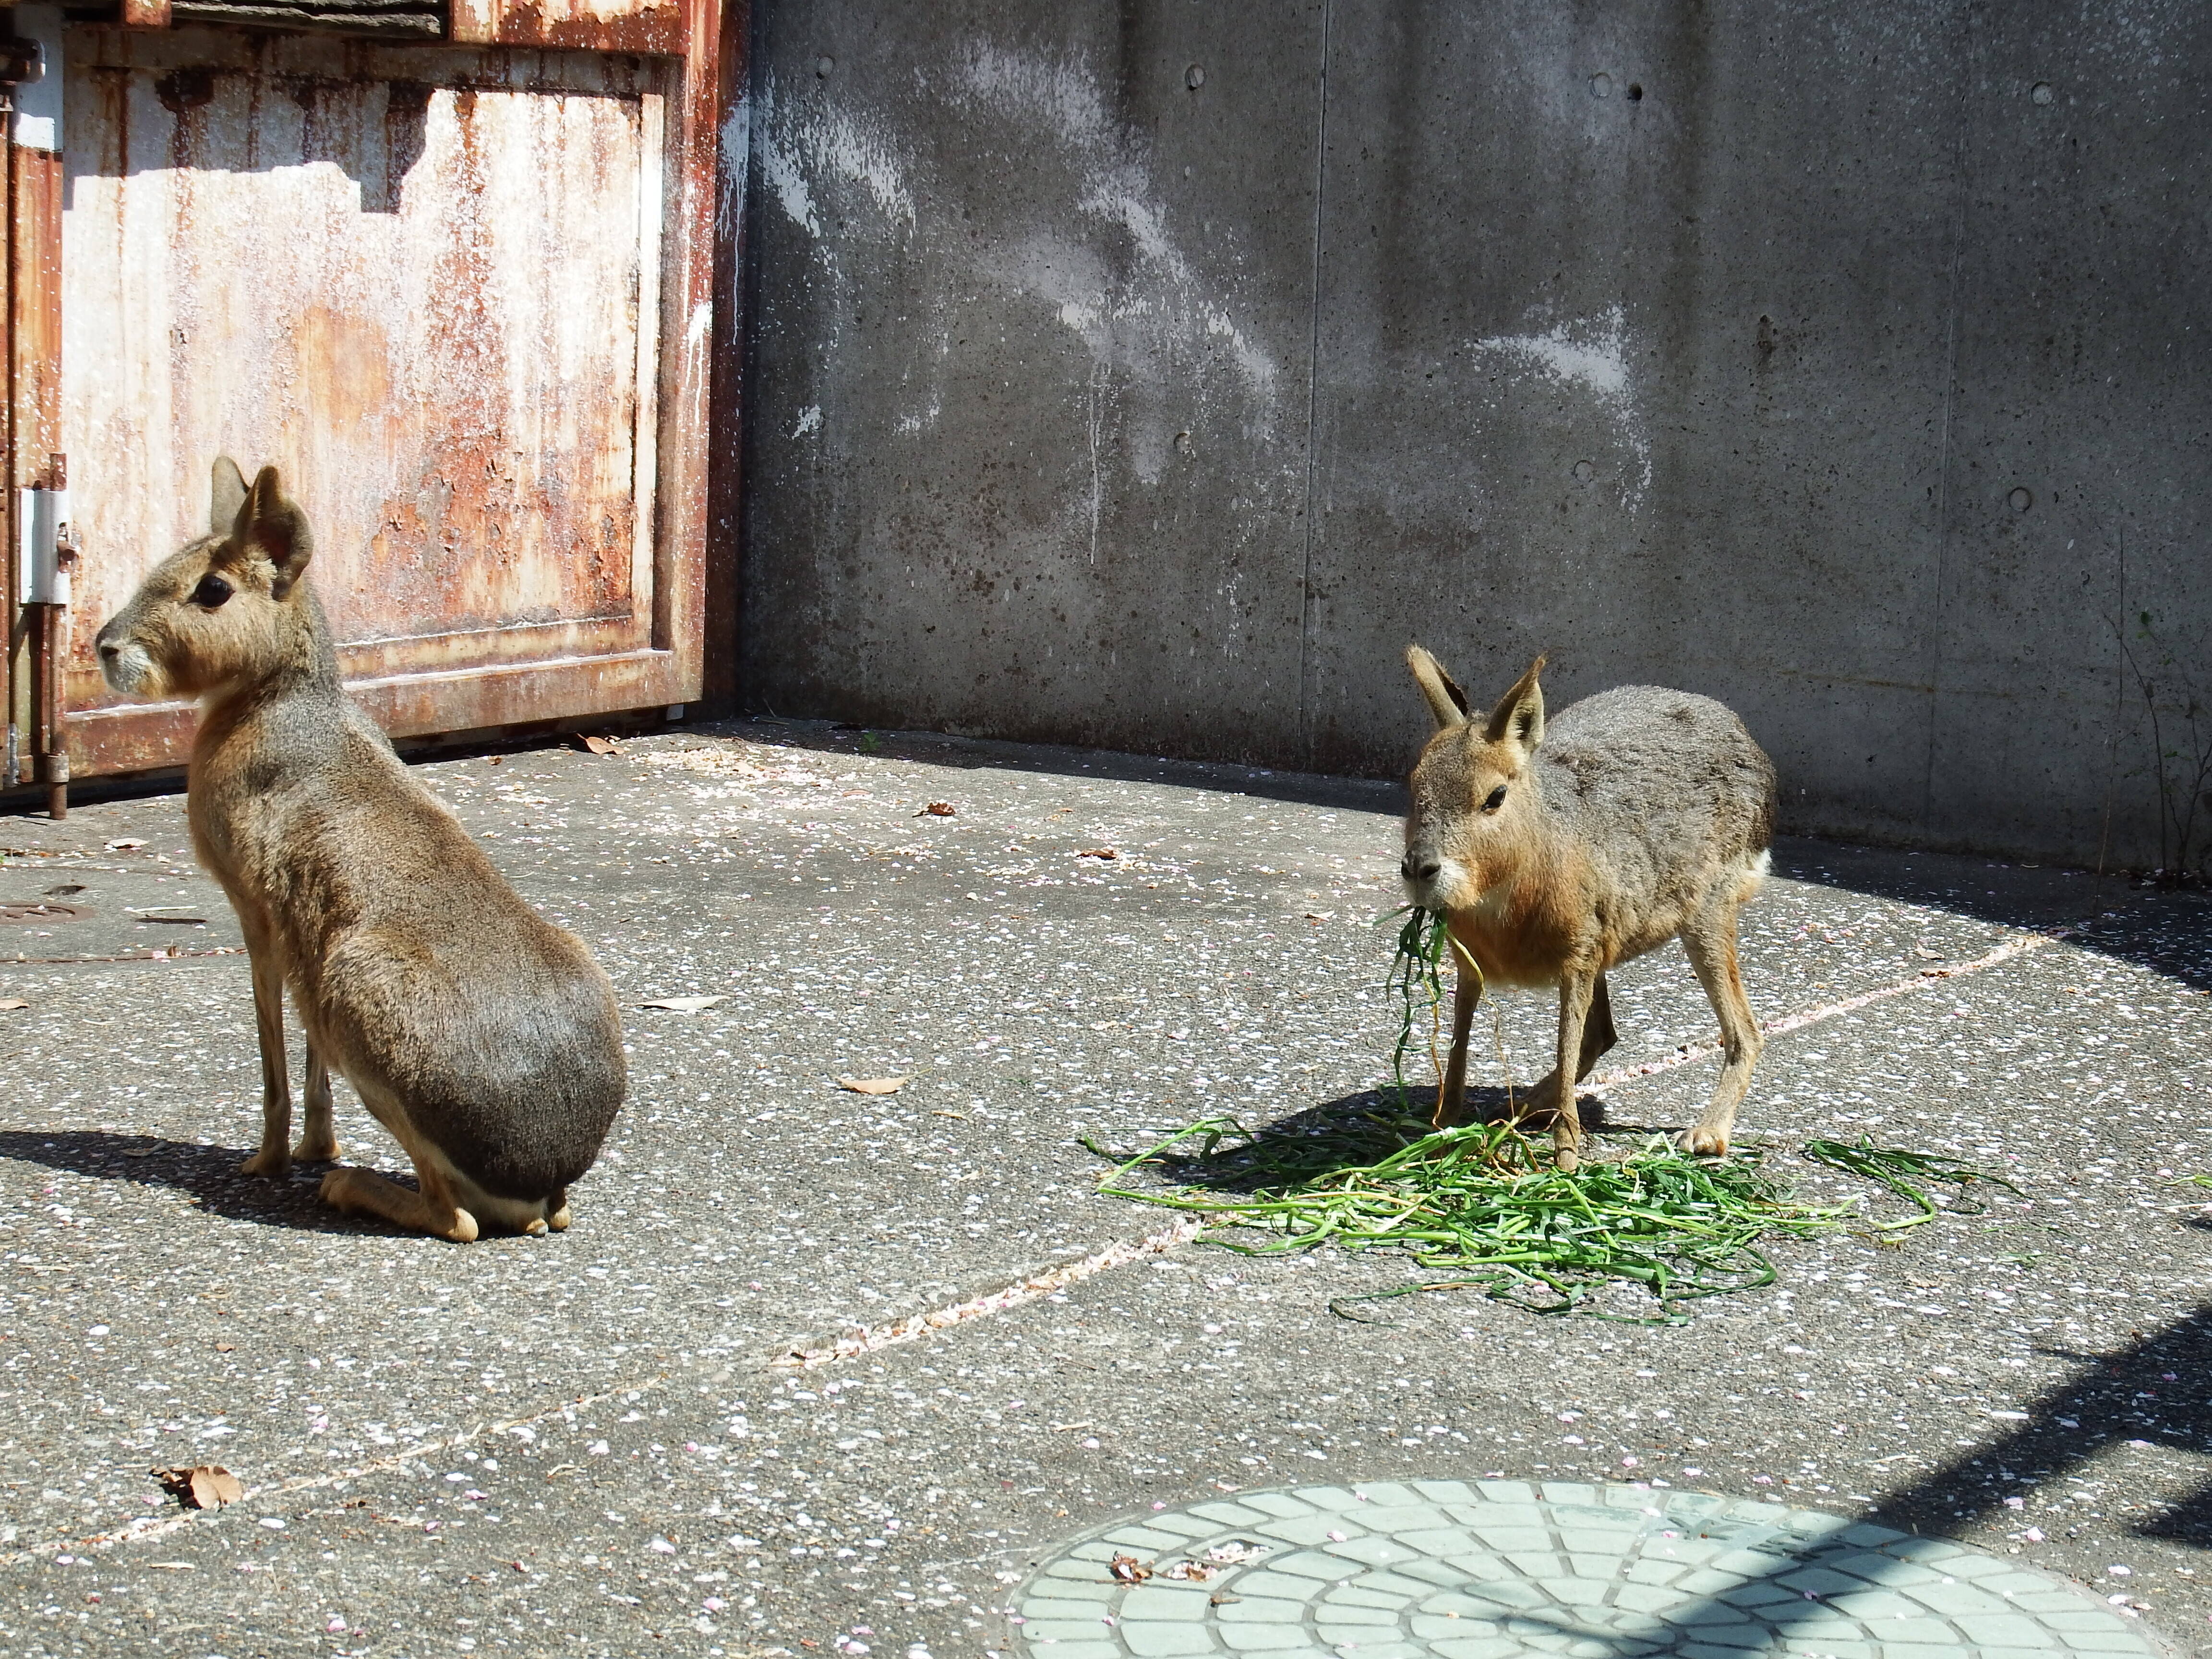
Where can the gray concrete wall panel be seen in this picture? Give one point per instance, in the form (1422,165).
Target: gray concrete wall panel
(1147,375)
(1029,378)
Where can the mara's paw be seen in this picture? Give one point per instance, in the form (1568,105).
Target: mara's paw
(1701,1142)
(324,1150)
(557,1218)
(463,1227)
(274,1162)
(337,1190)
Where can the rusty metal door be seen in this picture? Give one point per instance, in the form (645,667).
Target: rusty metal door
(458,294)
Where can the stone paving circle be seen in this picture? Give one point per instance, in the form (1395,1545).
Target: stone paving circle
(1493,1569)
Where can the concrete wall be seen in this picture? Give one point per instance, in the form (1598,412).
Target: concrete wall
(1147,374)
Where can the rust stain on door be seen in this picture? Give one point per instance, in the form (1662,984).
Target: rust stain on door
(425,283)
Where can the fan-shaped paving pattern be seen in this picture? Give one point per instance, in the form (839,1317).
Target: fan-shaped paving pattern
(1496,1569)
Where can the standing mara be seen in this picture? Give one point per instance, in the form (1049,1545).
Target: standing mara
(1559,850)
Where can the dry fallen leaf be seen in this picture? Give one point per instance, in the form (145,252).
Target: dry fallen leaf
(203,1486)
(939,809)
(599,745)
(872,1085)
(13,1002)
(1129,1570)
(1106,852)
(684,1004)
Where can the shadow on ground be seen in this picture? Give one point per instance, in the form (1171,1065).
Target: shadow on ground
(209,1174)
(2150,1392)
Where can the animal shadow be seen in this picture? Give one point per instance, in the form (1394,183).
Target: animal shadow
(1346,1133)
(209,1174)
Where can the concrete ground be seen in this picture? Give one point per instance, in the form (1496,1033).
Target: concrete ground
(598,1443)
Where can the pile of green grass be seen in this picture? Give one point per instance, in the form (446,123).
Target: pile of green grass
(1487,1207)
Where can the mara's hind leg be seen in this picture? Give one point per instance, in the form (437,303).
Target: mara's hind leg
(1451,1095)
(1598,1034)
(274,1156)
(1541,1104)
(318,1141)
(435,1208)
(357,1191)
(1710,943)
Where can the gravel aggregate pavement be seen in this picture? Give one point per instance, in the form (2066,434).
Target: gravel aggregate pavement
(637,1438)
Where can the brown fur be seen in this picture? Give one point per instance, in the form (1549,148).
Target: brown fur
(1560,851)
(485,1039)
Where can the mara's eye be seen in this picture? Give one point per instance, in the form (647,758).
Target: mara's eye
(1496,800)
(211,591)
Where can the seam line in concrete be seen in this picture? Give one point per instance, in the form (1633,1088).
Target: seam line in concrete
(1018,1294)
(1023,1291)
(1313,392)
(2019,945)
(151,1527)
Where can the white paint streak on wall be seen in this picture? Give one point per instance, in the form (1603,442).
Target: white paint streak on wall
(1151,325)
(866,160)
(806,146)
(1592,355)
(780,166)
(735,143)
(810,420)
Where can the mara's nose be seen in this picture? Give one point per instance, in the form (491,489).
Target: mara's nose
(1419,866)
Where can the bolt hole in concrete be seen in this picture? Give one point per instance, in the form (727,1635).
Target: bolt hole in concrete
(1635,92)
(2021,500)
(1194,76)
(1584,472)
(1476,1569)
(825,67)
(1600,85)
(2041,92)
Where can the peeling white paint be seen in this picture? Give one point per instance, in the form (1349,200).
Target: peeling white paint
(810,420)
(1589,354)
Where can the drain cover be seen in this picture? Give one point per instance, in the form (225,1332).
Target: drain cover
(1497,1569)
(42,910)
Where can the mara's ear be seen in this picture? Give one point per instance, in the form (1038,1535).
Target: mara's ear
(1446,700)
(1520,713)
(227,496)
(271,523)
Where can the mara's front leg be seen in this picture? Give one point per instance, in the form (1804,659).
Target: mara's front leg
(1452,1093)
(275,1157)
(1576,988)
(318,1140)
